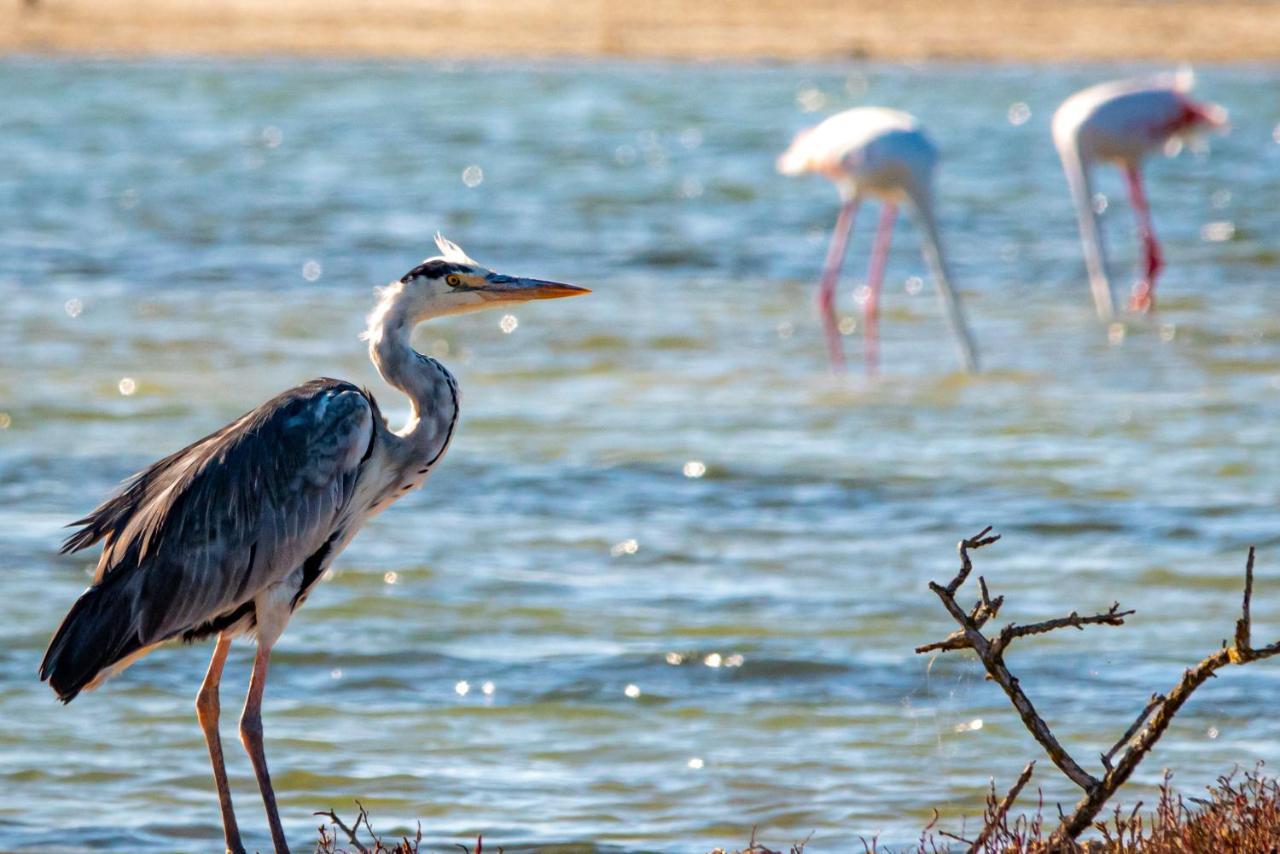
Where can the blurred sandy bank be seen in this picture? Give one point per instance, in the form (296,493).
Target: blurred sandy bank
(1020,30)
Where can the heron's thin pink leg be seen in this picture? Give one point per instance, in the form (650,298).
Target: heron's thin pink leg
(207,707)
(830,275)
(1144,292)
(251,738)
(875,280)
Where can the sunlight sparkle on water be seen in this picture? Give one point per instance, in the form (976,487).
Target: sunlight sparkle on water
(1212,732)
(335,673)
(848,325)
(462,688)
(1168,331)
(1217,232)
(694,469)
(675,659)
(713,660)
(914,285)
(1019,112)
(690,188)
(73,307)
(127,386)
(1115,334)
(473,176)
(487,689)
(6,421)
(696,762)
(626,547)
(390,577)
(969,726)
(632,691)
(1100,203)
(311,270)
(785,330)
(810,99)
(508,324)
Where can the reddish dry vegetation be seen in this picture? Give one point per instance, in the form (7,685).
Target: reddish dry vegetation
(1240,813)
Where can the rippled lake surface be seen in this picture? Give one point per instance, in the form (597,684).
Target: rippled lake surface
(667,583)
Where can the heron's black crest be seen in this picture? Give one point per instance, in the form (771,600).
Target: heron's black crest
(436,268)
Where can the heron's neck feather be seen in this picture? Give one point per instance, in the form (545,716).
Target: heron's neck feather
(430,388)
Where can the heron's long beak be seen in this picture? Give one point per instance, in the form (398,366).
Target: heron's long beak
(516,288)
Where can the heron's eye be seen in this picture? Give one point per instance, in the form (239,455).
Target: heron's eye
(453,281)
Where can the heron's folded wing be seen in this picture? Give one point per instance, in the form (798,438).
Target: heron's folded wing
(203,530)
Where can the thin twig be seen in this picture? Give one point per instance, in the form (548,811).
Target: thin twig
(349,831)
(1243,628)
(977,541)
(1156,699)
(1002,809)
(1112,617)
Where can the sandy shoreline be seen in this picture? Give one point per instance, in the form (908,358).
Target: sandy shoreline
(1018,30)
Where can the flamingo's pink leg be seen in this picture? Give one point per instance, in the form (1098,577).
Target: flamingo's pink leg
(875,281)
(830,274)
(1144,292)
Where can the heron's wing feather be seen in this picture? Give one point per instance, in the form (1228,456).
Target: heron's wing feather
(204,530)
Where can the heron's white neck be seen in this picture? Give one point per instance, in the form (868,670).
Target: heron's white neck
(423,380)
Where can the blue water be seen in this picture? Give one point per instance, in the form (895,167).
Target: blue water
(202,235)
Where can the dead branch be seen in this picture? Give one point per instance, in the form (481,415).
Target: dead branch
(1142,734)
(996,817)
(1156,699)
(349,831)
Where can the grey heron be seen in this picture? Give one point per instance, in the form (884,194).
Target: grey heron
(873,151)
(230,534)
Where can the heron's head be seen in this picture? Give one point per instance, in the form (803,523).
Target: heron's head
(452,283)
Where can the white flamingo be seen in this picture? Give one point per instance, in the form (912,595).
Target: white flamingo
(1121,122)
(872,151)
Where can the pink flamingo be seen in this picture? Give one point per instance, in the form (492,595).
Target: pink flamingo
(1121,122)
(882,153)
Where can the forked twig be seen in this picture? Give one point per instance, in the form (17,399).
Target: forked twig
(349,831)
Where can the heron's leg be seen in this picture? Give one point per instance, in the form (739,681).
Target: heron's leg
(251,738)
(207,707)
(875,280)
(830,275)
(1144,292)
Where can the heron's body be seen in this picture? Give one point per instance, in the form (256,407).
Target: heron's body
(1121,122)
(230,534)
(884,154)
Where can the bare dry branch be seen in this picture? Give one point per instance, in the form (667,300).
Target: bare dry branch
(349,831)
(1156,699)
(1112,617)
(1141,735)
(977,541)
(1243,624)
(994,663)
(996,818)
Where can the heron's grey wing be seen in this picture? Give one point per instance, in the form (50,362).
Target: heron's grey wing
(202,531)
